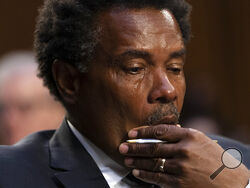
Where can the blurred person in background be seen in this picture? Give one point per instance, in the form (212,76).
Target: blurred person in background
(25,104)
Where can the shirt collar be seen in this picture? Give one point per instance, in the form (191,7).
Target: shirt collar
(111,170)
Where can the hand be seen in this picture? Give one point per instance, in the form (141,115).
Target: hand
(191,157)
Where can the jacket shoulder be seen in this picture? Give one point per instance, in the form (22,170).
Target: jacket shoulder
(35,141)
(25,162)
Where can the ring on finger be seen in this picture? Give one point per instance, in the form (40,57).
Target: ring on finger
(162,166)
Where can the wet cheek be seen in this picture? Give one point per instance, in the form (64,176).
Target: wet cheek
(134,94)
(140,104)
(139,107)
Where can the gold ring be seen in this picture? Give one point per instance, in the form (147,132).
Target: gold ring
(162,165)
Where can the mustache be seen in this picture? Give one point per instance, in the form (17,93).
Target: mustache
(162,111)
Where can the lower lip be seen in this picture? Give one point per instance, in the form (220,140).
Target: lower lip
(168,120)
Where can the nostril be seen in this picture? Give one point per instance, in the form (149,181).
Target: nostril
(162,100)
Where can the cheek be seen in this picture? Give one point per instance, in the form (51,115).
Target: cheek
(180,89)
(131,95)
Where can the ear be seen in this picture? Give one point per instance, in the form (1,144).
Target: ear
(67,79)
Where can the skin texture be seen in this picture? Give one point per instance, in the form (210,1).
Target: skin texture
(136,80)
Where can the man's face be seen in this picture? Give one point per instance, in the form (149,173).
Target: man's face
(137,76)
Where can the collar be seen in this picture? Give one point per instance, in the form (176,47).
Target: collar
(111,170)
(72,165)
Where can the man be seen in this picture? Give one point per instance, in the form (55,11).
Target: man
(117,67)
(25,104)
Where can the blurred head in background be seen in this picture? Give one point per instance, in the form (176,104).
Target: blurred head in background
(25,104)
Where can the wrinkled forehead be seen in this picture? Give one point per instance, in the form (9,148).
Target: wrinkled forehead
(144,24)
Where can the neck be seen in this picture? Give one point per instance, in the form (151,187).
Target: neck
(107,139)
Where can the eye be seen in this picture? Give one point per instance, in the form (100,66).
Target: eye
(134,67)
(175,70)
(135,70)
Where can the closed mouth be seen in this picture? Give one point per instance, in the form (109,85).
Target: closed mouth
(170,120)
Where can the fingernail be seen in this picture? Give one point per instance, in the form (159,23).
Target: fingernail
(123,148)
(136,172)
(129,161)
(132,134)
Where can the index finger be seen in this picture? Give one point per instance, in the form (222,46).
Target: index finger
(166,132)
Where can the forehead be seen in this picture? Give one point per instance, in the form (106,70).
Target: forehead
(141,28)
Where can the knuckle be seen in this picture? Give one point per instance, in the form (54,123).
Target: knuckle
(172,182)
(145,149)
(136,148)
(144,132)
(160,131)
(198,134)
(132,148)
(139,148)
(181,166)
(182,182)
(194,134)
(177,183)
(176,167)
(155,165)
(184,151)
(186,133)
(189,133)
(154,149)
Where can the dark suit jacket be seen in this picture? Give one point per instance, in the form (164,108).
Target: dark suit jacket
(50,159)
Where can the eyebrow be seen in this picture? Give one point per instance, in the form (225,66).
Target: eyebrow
(145,55)
(177,54)
(135,54)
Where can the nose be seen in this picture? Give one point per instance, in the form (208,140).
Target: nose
(163,91)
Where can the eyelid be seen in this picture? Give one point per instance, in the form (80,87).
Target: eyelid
(134,67)
(134,63)
(176,63)
(176,67)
